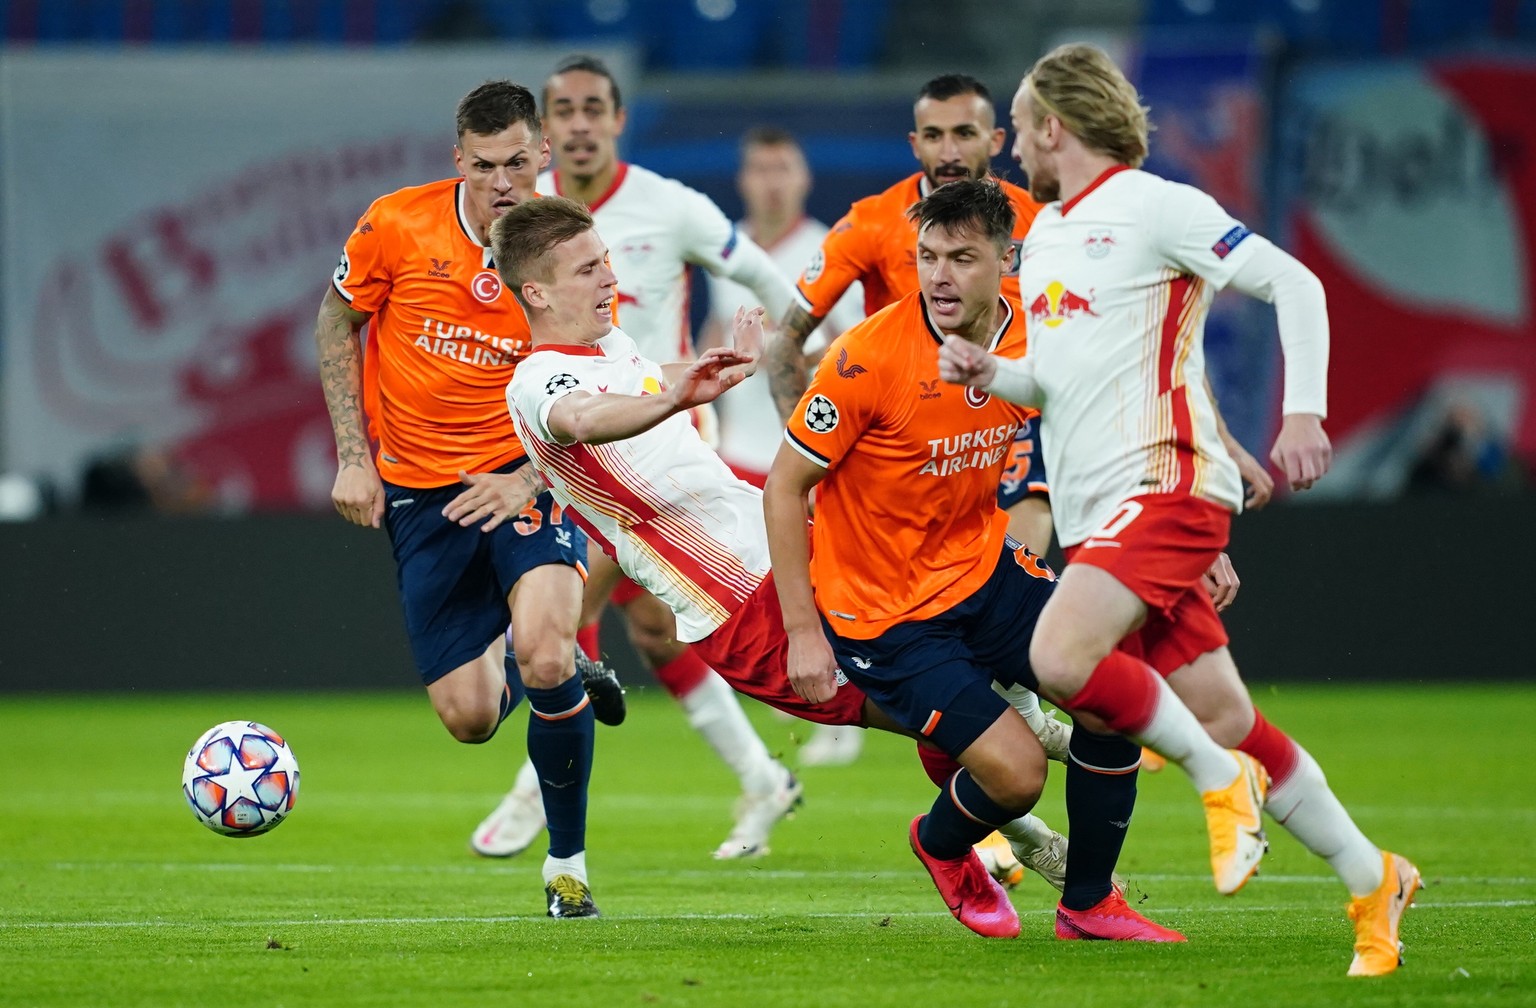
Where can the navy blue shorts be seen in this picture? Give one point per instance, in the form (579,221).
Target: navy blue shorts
(934,676)
(454,580)
(1024,476)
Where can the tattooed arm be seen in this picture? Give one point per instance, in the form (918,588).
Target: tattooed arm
(786,361)
(358,493)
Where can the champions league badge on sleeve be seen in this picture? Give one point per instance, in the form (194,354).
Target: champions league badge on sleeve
(820,414)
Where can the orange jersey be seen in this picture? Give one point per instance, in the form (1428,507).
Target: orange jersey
(443,341)
(876,245)
(907,523)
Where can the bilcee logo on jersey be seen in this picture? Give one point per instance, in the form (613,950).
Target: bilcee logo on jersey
(1057,304)
(440,268)
(846,371)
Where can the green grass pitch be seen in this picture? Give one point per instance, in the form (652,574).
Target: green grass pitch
(111,894)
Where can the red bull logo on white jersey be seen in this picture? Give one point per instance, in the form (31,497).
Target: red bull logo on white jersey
(1056,304)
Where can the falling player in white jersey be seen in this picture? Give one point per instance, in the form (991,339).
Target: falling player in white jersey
(657,227)
(774,180)
(1117,274)
(607,433)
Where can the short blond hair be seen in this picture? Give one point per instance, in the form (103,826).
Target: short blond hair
(1080,85)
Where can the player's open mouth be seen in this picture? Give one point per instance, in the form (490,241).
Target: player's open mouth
(605,307)
(503,204)
(945,304)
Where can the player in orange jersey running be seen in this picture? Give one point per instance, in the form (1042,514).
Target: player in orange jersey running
(444,340)
(1143,489)
(920,597)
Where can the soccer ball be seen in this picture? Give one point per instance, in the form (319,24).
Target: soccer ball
(240,778)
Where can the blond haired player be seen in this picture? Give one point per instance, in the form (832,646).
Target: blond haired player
(1119,270)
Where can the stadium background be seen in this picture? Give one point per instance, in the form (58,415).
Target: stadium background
(178,179)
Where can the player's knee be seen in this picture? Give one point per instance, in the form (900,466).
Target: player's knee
(1047,659)
(470,723)
(546,665)
(1016,792)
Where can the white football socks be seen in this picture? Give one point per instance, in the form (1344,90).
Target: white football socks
(1174,732)
(1306,806)
(715,713)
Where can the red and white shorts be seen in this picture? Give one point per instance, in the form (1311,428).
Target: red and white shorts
(1160,546)
(751,652)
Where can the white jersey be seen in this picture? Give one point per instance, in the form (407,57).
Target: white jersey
(654,227)
(662,503)
(1117,284)
(750,428)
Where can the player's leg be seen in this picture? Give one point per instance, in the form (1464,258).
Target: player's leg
(1153,552)
(1101,767)
(769,792)
(999,780)
(454,613)
(545,605)
(474,698)
(923,675)
(1381,884)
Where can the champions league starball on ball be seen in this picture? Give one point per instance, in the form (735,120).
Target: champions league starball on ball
(240,778)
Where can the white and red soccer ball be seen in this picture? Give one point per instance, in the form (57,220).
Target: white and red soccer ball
(240,778)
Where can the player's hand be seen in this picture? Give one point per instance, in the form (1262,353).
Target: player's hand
(965,363)
(710,376)
(1302,450)
(358,494)
(1221,581)
(1261,485)
(747,336)
(492,498)
(812,666)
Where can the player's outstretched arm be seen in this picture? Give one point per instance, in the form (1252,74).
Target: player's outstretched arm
(357,493)
(609,416)
(788,370)
(812,666)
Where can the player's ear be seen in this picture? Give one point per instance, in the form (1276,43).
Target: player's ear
(458,159)
(544,154)
(912,140)
(533,295)
(619,119)
(999,137)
